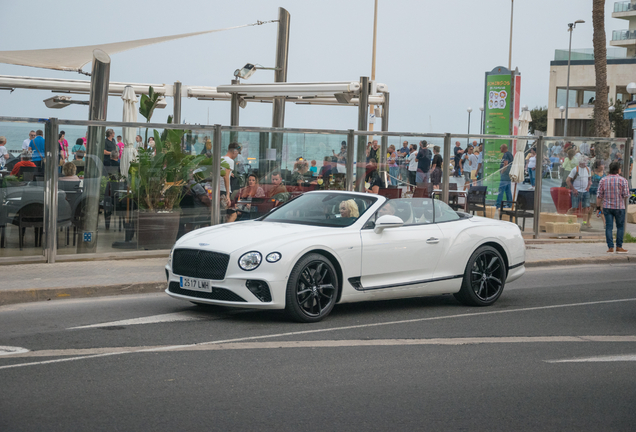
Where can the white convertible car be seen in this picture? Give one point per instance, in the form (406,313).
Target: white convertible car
(329,247)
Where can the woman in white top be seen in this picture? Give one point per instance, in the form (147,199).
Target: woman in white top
(532,165)
(4,153)
(412,161)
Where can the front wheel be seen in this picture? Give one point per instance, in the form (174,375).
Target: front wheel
(484,278)
(312,289)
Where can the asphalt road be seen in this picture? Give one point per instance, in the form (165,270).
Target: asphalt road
(556,352)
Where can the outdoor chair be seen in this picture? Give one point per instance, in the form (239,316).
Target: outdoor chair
(28,173)
(423,191)
(476,199)
(391,193)
(453,198)
(522,208)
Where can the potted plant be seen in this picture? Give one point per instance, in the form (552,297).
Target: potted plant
(157,181)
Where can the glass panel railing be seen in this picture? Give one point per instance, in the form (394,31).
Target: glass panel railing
(572,171)
(624,6)
(22,192)
(623,35)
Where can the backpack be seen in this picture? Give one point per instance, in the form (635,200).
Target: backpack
(577,173)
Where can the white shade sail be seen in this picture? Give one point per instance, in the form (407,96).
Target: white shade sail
(73,58)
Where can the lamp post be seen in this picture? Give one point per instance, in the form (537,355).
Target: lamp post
(481,125)
(571,27)
(468,138)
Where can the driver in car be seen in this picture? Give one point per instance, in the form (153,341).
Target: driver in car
(387,209)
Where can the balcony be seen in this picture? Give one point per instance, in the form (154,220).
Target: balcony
(623,38)
(624,9)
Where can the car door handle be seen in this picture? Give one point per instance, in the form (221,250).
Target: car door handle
(432,240)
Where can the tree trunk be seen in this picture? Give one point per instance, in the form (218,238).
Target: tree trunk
(601,113)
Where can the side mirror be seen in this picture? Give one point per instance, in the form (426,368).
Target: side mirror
(387,221)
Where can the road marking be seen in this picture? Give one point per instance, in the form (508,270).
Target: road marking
(325,344)
(615,358)
(8,350)
(171,317)
(303,332)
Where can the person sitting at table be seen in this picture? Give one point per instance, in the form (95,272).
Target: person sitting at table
(298,176)
(79,160)
(25,161)
(349,209)
(4,153)
(252,190)
(68,172)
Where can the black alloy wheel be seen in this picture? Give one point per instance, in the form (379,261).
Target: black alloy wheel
(312,289)
(484,278)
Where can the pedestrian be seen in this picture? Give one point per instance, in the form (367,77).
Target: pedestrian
(457,152)
(424,157)
(579,181)
(504,175)
(109,146)
(26,142)
(37,148)
(403,153)
(532,166)
(612,191)
(598,172)
(63,146)
(225,186)
(470,162)
(412,161)
(393,166)
(436,167)
(480,164)
(79,146)
(120,144)
(569,163)
(4,153)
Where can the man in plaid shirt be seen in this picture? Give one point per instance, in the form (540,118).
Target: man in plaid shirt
(612,191)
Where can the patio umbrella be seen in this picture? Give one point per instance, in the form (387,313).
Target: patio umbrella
(129,134)
(518,164)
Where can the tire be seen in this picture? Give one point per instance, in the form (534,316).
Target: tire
(484,278)
(312,289)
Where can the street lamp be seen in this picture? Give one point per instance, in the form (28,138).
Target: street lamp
(468,138)
(571,27)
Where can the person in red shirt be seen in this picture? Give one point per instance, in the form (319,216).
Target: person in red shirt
(25,161)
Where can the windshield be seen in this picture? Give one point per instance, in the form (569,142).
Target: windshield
(322,209)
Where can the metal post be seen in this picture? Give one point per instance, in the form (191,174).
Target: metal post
(216,176)
(625,167)
(567,88)
(537,188)
(385,128)
(176,118)
(234,113)
(468,138)
(512,7)
(361,157)
(445,170)
(350,156)
(375,39)
(51,151)
(280,74)
(100,76)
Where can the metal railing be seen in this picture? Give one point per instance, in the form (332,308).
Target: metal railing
(53,125)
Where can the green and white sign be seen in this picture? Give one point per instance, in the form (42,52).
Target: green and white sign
(497,121)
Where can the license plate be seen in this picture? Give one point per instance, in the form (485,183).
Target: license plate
(195,284)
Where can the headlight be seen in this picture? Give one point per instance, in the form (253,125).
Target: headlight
(250,260)
(273,257)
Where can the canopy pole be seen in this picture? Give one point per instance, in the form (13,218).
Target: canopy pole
(98,104)
(280,75)
(361,154)
(176,117)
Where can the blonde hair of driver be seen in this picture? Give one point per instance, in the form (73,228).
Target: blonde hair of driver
(352,207)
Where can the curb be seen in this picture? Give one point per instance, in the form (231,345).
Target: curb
(45,294)
(610,259)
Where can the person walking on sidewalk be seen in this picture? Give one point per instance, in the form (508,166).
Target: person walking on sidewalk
(611,194)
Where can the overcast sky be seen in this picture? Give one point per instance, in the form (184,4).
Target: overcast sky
(431,54)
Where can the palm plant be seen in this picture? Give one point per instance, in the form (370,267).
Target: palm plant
(157,178)
(147,106)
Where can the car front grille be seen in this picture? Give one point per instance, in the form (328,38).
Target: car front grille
(200,264)
(221,294)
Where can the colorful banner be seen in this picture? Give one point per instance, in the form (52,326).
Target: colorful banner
(497,121)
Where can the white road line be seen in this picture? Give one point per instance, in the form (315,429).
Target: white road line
(615,358)
(171,317)
(302,332)
(327,344)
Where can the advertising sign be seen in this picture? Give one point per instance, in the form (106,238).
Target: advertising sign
(498,120)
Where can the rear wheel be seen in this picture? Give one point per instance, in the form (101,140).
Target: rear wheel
(312,289)
(484,278)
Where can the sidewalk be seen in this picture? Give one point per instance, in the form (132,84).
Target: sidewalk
(41,282)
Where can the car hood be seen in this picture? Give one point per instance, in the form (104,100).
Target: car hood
(230,237)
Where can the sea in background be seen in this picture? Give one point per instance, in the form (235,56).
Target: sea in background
(309,146)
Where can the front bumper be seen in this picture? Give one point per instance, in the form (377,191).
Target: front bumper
(231,291)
